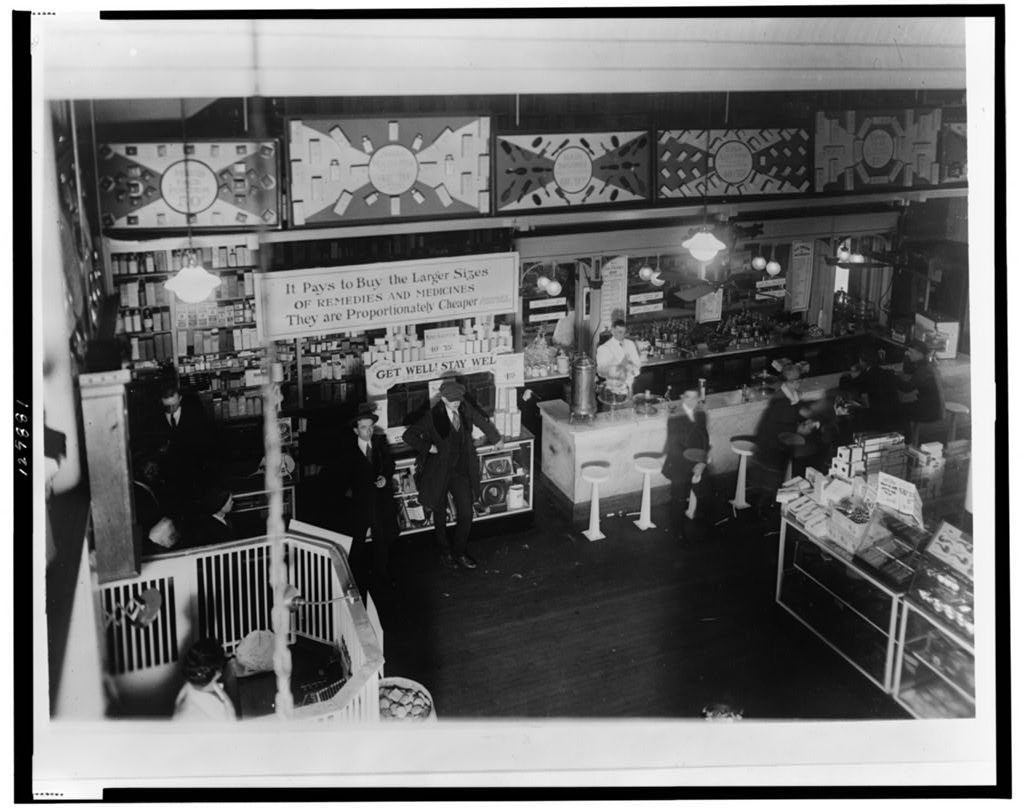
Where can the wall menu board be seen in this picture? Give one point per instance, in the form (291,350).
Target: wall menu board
(798,276)
(159,184)
(318,301)
(345,170)
(858,150)
(733,162)
(558,170)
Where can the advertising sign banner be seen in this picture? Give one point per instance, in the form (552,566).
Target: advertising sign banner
(319,301)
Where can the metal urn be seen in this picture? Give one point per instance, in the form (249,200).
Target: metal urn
(583,378)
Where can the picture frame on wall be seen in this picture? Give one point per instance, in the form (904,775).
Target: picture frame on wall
(213,185)
(546,171)
(345,170)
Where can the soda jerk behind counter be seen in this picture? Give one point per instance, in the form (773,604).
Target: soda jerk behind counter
(301,303)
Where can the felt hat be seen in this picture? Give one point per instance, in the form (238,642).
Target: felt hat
(451,390)
(365,411)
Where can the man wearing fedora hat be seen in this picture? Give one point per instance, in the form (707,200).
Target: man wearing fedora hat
(446,463)
(366,467)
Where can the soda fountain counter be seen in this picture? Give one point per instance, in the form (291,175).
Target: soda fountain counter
(618,435)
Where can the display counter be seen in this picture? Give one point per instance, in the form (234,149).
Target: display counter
(617,436)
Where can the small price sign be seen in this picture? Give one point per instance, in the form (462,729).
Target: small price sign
(509,370)
(443,342)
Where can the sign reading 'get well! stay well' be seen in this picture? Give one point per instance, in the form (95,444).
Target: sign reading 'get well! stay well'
(319,301)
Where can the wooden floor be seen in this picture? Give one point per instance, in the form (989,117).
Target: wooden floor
(637,625)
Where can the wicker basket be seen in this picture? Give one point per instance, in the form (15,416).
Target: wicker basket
(410,689)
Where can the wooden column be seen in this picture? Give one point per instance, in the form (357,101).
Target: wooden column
(105,414)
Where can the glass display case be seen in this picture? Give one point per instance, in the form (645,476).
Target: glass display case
(852,611)
(506,480)
(935,665)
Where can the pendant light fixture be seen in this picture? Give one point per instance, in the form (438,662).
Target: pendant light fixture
(704,245)
(192,283)
(773,268)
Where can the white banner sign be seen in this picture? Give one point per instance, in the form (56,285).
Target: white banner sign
(384,374)
(799,274)
(319,301)
(646,308)
(613,291)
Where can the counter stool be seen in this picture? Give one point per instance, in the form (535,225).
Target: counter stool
(595,472)
(699,458)
(790,442)
(954,410)
(647,465)
(743,448)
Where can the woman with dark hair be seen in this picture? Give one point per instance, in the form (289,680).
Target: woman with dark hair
(202,698)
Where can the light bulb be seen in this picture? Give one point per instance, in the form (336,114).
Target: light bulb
(773,268)
(856,258)
(843,253)
(704,246)
(758,263)
(192,283)
(554,288)
(543,282)
(646,273)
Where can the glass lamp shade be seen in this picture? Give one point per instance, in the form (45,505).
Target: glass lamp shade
(843,251)
(554,288)
(192,283)
(543,282)
(773,268)
(645,273)
(855,258)
(704,246)
(758,263)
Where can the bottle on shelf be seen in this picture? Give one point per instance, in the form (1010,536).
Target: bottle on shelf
(147,320)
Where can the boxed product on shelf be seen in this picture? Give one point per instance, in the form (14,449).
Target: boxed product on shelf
(848,524)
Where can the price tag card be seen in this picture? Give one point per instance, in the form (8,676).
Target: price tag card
(442,342)
(509,370)
(954,548)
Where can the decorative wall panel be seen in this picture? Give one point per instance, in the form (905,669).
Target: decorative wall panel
(539,171)
(736,162)
(865,151)
(351,170)
(220,184)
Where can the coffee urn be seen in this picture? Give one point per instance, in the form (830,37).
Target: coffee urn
(584,395)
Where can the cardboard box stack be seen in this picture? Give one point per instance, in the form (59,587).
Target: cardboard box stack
(925,469)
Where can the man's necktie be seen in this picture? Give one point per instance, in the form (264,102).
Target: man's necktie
(455,420)
(369,457)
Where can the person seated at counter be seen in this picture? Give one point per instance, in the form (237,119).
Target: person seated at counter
(874,387)
(618,358)
(832,425)
(922,384)
(685,431)
(786,413)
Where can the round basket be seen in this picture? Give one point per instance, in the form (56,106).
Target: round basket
(397,694)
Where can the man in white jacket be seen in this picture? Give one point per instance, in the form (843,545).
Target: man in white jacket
(618,358)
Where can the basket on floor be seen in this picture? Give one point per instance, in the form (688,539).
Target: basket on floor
(405,700)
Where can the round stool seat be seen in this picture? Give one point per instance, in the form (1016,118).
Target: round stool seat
(743,447)
(647,464)
(595,472)
(790,440)
(957,408)
(695,455)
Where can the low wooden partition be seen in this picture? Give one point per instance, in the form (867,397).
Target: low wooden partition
(224,592)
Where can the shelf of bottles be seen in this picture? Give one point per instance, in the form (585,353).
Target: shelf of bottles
(331,368)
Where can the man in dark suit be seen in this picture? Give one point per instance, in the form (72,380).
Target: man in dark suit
(366,467)
(447,462)
(185,446)
(687,431)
